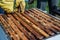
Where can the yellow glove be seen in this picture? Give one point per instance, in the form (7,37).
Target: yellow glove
(21,3)
(8,5)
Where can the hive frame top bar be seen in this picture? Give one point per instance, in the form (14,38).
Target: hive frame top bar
(48,14)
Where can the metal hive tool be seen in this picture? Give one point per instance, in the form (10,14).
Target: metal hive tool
(30,25)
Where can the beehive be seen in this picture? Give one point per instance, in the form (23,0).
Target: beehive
(30,25)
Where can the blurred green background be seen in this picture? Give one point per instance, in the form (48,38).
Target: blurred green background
(34,5)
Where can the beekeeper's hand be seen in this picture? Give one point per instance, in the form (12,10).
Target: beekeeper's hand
(21,4)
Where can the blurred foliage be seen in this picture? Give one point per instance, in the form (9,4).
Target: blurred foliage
(34,5)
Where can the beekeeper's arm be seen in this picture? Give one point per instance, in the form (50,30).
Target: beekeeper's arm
(1,4)
(7,6)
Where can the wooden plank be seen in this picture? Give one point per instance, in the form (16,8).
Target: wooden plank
(21,35)
(28,27)
(54,26)
(47,16)
(41,31)
(41,22)
(28,34)
(39,17)
(7,28)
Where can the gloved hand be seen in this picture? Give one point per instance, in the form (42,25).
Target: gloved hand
(8,5)
(20,4)
(30,1)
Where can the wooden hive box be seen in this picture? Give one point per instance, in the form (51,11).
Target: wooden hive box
(30,25)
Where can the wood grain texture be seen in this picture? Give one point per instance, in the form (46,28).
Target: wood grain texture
(33,24)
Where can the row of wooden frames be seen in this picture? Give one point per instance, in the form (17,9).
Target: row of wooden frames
(30,25)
